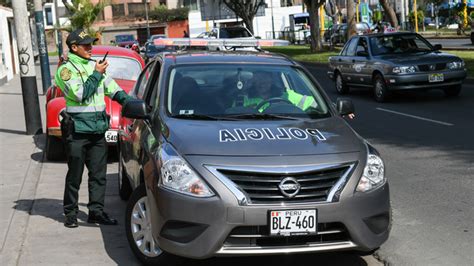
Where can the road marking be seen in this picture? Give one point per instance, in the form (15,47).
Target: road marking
(416,117)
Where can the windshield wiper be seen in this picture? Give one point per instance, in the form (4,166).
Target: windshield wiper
(262,116)
(202,117)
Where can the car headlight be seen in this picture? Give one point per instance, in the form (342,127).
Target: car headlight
(455,65)
(176,175)
(373,176)
(404,69)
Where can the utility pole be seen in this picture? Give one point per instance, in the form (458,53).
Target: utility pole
(273,22)
(43,50)
(416,15)
(402,14)
(147,22)
(58,31)
(27,69)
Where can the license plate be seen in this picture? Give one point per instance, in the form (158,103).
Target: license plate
(293,222)
(111,136)
(436,77)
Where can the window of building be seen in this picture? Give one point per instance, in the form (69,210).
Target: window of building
(137,9)
(285,3)
(49,16)
(191,4)
(118,10)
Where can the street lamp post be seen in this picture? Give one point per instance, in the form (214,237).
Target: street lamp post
(58,30)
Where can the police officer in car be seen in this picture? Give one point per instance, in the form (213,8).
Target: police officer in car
(84,83)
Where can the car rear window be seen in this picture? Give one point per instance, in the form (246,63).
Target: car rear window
(232,90)
(122,67)
(234,33)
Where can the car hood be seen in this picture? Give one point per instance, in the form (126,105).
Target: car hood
(415,59)
(262,138)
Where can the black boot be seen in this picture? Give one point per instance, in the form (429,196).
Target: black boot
(101,218)
(71,221)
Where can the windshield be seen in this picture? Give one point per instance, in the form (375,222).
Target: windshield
(399,44)
(243,92)
(122,67)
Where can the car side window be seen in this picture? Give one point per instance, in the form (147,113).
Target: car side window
(351,47)
(152,88)
(143,81)
(362,46)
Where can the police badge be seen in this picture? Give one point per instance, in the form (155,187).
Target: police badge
(65,74)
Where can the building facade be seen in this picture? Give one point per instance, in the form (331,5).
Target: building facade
(9,62)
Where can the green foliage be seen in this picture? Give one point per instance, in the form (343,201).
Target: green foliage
(83,13)
(420,16)
(162,14)
(7,3)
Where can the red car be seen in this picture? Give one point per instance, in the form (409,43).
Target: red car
(125,66)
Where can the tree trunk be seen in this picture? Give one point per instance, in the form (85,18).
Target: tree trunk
(389,11)
(351,22)
(248,21)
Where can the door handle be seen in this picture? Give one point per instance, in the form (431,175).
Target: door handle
(353,60)
(339,60)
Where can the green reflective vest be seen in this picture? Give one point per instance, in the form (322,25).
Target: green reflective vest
(301,101)
(84,90)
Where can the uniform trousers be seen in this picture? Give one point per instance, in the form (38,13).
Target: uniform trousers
(89,150)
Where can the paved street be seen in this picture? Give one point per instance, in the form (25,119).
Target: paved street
(426,142)
(424,138)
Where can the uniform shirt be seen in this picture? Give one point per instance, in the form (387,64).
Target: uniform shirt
(301,101)
(84,89)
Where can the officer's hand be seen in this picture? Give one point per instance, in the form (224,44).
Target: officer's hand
(101,67)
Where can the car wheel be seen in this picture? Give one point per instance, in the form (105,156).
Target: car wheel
(138,229)
(124,185)
(452,91)
(341,86)
(381,92)
(54,148)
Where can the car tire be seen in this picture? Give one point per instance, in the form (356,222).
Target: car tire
(54,148)
(381,92)
(341,86)
(124,187)
(452,91)
(140,239)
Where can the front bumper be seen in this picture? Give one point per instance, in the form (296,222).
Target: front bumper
(421,80)
(224,225)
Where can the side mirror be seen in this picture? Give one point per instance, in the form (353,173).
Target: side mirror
(135,109)
(362,53)
(437,47)
(344,106)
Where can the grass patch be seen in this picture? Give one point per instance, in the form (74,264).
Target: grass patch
(468,57)
(303,53)
(55,53)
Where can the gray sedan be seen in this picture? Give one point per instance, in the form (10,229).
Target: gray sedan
(387,62)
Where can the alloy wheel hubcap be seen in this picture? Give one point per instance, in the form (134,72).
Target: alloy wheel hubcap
(379,89)
(141,229)
(338,83)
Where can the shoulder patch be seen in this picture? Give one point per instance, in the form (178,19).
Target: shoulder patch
(65,74)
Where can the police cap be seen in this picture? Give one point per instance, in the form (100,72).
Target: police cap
(79,36)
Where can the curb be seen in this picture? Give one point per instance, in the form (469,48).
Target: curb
(18,226)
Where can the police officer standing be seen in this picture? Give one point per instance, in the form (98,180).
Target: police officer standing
(84,83)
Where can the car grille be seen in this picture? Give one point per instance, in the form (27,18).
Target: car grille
(439,66)
(263,188)
(258,236)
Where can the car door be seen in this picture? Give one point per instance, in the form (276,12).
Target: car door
(130,134)
(345,60)
(361,71)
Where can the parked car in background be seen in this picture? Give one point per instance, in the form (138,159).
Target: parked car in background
(125,66)
(340,35)
(330,31)
(227,33)
(125,40)
(156,36)
(151,50)
(387,62)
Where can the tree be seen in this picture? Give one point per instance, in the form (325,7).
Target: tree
(313,10)
(351,19)
(246,10)
(162,14)
(83,14)
(390,13)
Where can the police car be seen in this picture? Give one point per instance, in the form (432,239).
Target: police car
(242,153)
